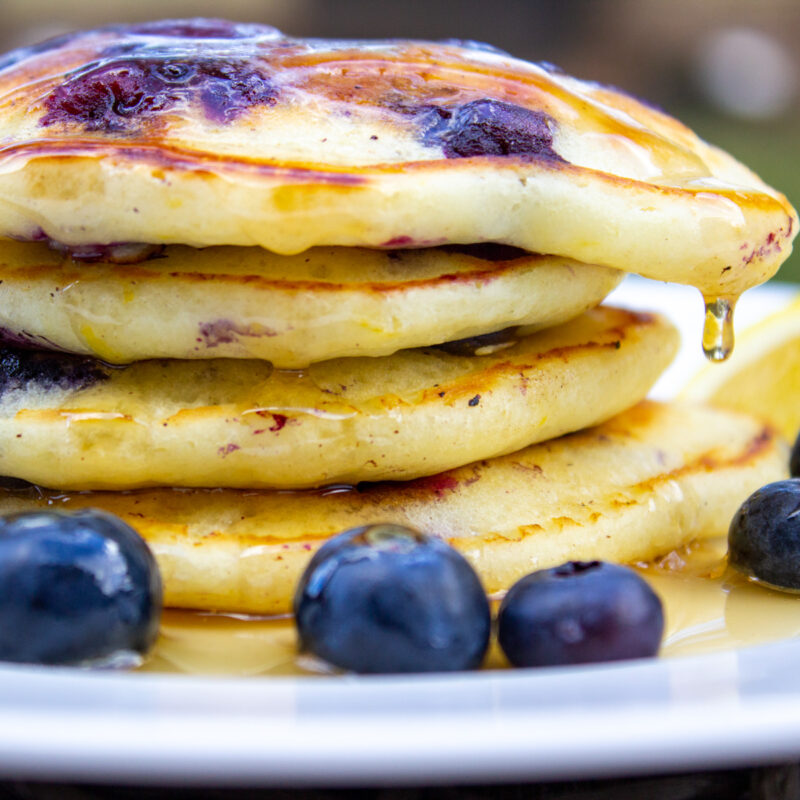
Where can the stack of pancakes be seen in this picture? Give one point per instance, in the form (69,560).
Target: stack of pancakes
(256,290)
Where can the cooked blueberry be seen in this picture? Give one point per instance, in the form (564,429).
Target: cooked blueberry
(77,588)
(383,598)
(487,251)
(20,340)
(493,128)
(480,345)
(578,613)
(115,252)
(175,71)
(21,369)
(794,460)
(764,535)
(112,95)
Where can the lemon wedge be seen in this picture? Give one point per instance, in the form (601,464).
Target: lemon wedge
(762,377)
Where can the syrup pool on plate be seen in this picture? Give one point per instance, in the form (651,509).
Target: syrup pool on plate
(708,606)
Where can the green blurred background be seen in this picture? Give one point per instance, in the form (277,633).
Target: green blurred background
(728,68)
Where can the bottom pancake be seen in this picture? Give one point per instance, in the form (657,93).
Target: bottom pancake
(650,480)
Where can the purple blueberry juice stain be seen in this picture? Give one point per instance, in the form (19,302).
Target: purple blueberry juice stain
(27,341)
(221,331)
(20,369)
(118,94)
(278,421)
(407,242)
(113,253)
(226,331)
(488,251)
(492,128)
(436,485)
(399,241)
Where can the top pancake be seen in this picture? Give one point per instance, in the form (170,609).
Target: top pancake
(206,132)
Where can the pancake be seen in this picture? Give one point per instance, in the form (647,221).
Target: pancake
(205,132)
(651,480)
(71,422)
(235,302)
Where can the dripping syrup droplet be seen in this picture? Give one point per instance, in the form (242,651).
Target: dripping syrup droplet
(718,328)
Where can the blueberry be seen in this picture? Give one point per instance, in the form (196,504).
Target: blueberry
(22,369)
(77,588)
(383,598)
(578,613)
(121,93)
(764,535)
(473,345)
(492,128)
(794,460)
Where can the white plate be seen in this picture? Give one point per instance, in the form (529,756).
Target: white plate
(733,708)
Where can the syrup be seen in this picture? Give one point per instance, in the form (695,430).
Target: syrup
(718,328)
(708,607)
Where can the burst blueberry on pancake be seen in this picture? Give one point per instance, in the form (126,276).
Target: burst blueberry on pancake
(245,302)
(651,480)
(205,132)
(230,422)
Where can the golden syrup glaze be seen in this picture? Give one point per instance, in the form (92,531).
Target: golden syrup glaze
(708,608)
(304,142)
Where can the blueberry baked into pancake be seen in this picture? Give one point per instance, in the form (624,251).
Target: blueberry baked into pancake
(256,289)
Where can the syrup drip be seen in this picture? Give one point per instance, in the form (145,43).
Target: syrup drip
(718,328)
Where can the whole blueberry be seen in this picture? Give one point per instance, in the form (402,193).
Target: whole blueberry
(384,598)
(794,460)
(78,588)
(580,612)
(764,535)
